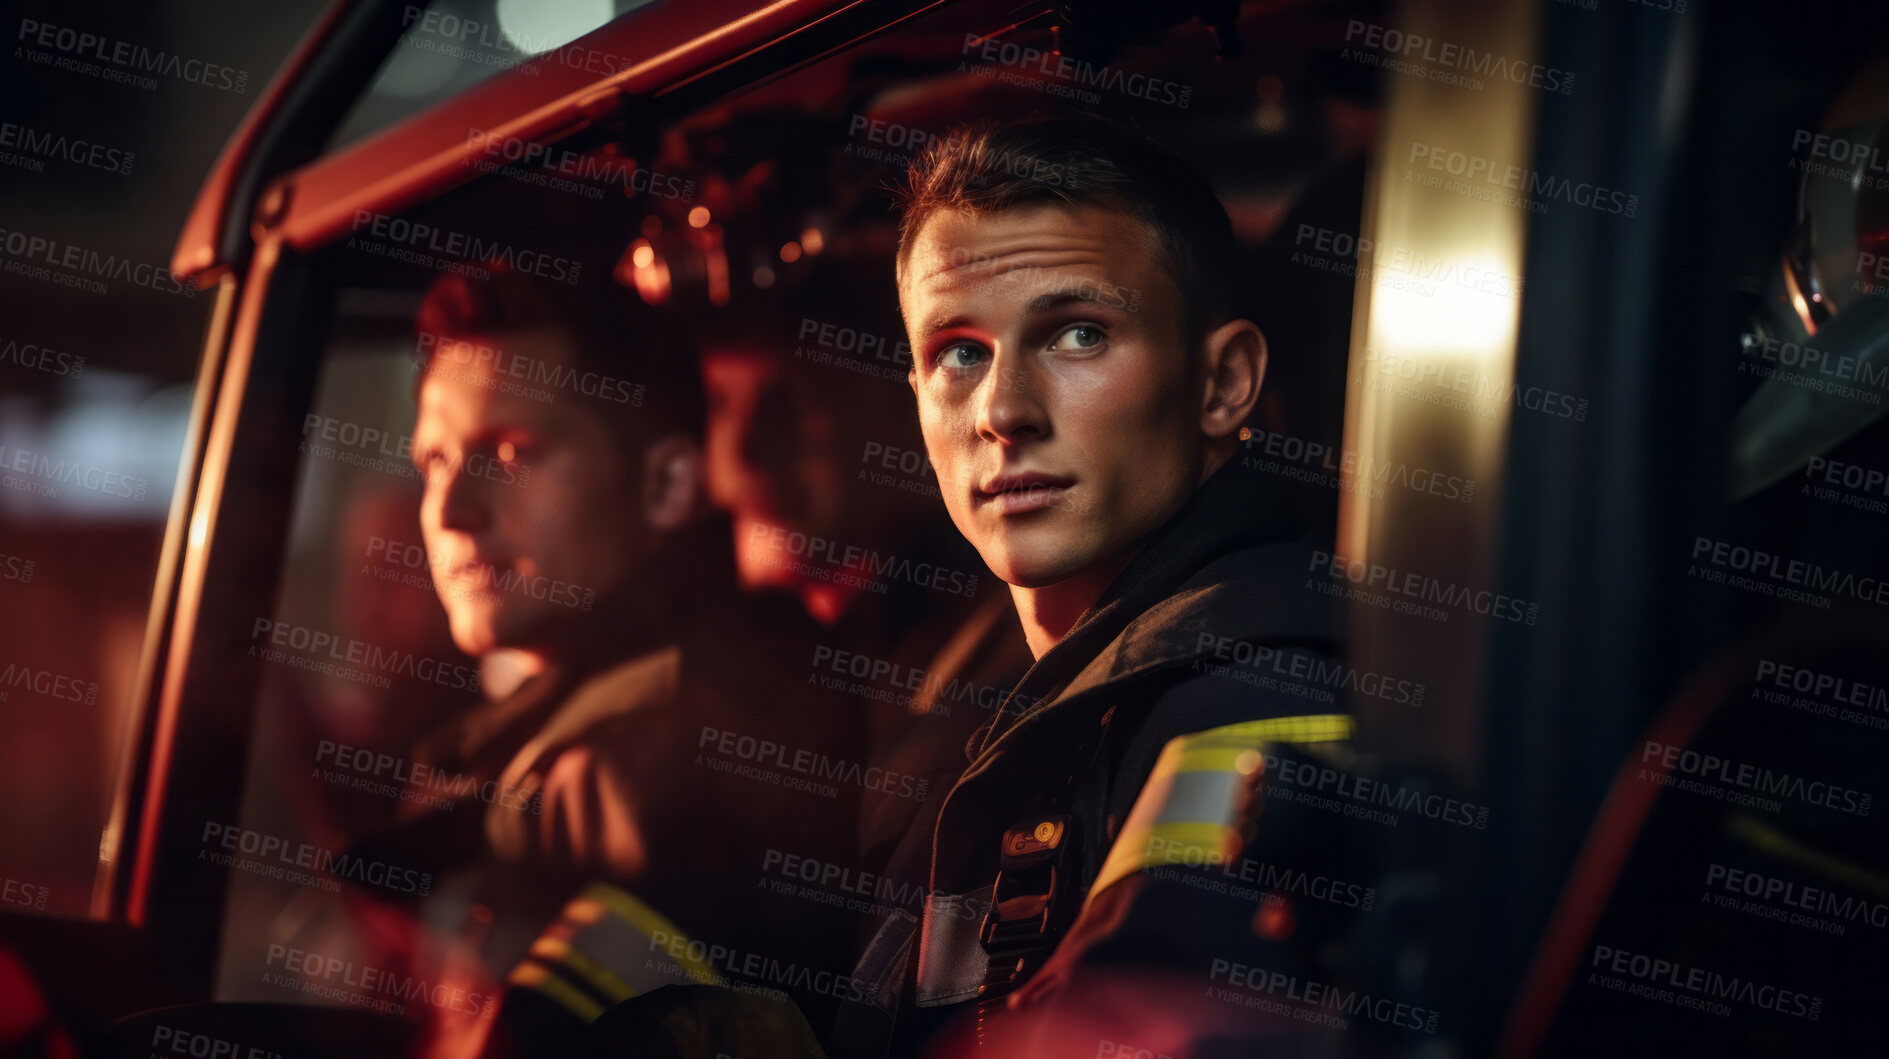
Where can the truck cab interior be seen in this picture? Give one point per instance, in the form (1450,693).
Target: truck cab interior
(1576,315)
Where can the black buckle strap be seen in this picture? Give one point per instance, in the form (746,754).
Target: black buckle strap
(1027,912)
(1029,909)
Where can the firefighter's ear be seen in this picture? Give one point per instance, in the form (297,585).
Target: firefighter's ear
(1234,356)
(672,482)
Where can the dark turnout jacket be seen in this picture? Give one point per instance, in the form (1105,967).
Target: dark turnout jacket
(1187,639)
(666,772)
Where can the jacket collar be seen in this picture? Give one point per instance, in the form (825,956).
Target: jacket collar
(1200,572)
(1225,566)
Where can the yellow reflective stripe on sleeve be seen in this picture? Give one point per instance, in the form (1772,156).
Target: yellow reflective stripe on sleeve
(1190,809)
(529,975)
(1206,758)
(1308,728)
(1207,838)
(560,952)
(606,947)
(647,921)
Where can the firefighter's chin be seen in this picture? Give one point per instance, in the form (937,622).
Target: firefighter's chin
(488,610)
(474,628)
(764,556)
(1036,555)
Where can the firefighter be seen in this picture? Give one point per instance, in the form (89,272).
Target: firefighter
(1082,383)
(605,798)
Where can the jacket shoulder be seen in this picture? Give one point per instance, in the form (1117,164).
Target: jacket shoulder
(646,682)
(1257,597)
(1209,694)
(578,774)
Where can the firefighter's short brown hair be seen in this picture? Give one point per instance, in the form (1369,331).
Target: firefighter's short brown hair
(989,166)
(610,333)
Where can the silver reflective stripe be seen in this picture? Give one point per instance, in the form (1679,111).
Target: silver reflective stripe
(951,961)
(1215,796)
(1195,803)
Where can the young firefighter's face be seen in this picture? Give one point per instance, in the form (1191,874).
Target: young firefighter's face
(1053,387)
(529,511)
(774,457)
(782,455)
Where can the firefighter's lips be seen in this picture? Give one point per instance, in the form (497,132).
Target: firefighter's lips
(488,570)
(1022,494)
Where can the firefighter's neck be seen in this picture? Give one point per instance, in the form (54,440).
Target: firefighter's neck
(1048,613)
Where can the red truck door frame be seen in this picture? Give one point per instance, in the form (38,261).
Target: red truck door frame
(252,232)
